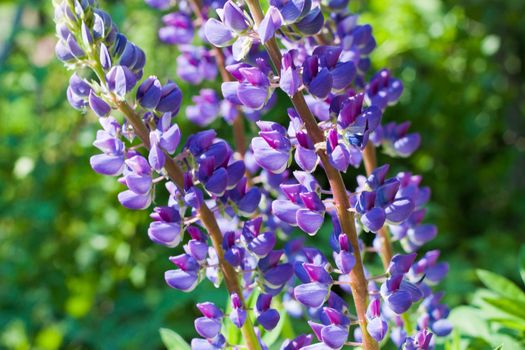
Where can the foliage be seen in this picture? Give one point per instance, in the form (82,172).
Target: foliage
(496,317)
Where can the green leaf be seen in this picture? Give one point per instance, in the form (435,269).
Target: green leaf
(514,324)
(509,306)
(501,285)
(521,263)
(172,340)
(469,321)
(499,347)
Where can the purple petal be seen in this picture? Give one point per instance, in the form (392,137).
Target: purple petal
(342,75)
(399,210)
(399,301)
(271,22)
(334,336)
(285,211)
(407,145)
(377,328)
(269,319)
(168,234)
(178,279)
(132,200)
(263,243)
(311,294)
(373,219)
(311,23)
(321,84)
(238,317)
(217,182)
(140,184)
(107,164)
(309,221)
(273,160)
(217,33)
(253,97)
(207,327)
(306,158)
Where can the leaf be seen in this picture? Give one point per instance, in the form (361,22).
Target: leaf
(521,263)
(507,305)
(499,347)
(469,321)
(172,340)
(501,285)
(514,324)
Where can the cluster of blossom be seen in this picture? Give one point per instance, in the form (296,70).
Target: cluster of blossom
(236,205)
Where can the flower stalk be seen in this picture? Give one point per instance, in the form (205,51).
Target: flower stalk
(357,276)
(205,214)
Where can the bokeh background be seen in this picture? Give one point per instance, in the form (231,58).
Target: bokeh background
(77,270)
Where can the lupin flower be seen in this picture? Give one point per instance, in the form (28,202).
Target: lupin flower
(232,29)
(333,332)
(252,89)
(435,315)
(267,317)
(395,139)
(195,64)
(303,207)
(354,122)
(209,326)
(166,226)
(378,203)
(186,277)
(305,155)
(421,341)
(206,108)
(290,80)
(383,89)
(300,342)
(398,293)
(250,215)
(377,326)
(272,148)
(299,16)
(428,267)
(137,176)
(274,273)
(111,161)
(357,43)
(178,29)
(323,72)
(238,314)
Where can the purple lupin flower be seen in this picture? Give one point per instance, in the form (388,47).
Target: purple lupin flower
(178,29)
(111,161)
(238,314)
(205,109)
(272,148)
(303,207)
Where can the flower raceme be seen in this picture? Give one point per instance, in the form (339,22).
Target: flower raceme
(232,216)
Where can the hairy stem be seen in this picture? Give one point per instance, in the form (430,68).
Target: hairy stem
(175,173)
(358,284)
(385,250)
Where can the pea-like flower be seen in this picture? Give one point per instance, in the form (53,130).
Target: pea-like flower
(395,139)
(272,148)
(303,207)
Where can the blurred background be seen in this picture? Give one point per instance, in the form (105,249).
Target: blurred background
(77,270)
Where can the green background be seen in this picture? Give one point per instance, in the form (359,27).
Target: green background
(77,270)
